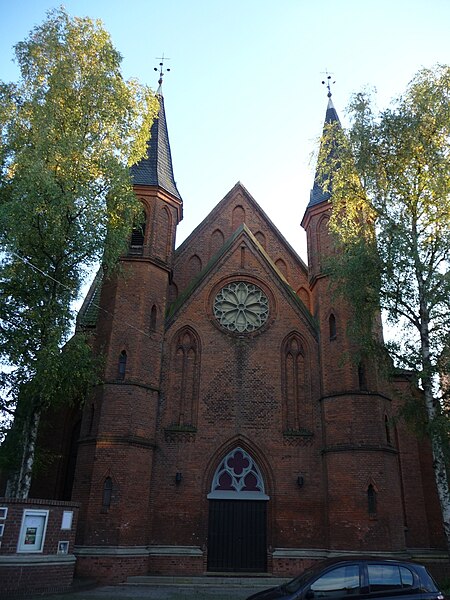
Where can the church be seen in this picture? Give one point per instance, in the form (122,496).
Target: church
(231,433)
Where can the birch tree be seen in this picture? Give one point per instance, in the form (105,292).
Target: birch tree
(70,129)
(389,178)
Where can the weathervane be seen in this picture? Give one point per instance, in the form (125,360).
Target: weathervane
(328,83)
(161,70)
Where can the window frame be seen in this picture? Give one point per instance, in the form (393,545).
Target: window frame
(336,593)
(390,591)
(24,547)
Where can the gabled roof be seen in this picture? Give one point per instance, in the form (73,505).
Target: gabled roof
(156,168)
(212,218)
(317,194)
(242,230)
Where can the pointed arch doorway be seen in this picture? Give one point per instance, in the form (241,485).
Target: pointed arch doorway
(237,526)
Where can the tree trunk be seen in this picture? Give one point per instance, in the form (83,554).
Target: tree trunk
(19,483)
(439,466)
(432,404)
(433,411)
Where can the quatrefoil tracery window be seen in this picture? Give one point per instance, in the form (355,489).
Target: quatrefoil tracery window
(241,307)
(238,476)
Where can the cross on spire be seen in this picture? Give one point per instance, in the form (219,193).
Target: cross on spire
(161,70)
(328,83)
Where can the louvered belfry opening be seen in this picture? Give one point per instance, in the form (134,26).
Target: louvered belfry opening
(136,247)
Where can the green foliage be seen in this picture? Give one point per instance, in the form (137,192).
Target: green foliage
(61,377)
(389,179)
(391,213)
(70,129)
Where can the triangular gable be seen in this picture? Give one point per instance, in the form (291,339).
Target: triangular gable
(213,217)
(243,232)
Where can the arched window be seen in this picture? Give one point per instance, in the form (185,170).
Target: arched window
(303,294)
(137,237)
(122,365)
(325,242)
(387,428)
(216,242)
(332,326)
(371,500)
(259,235)
(362,381)
(294,383)
(107,493)
(184,377)
(153,314)
(194,266)
(238,216)
(238,476)
(282,266)
(163,234)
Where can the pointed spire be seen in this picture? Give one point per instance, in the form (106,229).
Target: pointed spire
(318,195)
(156,168)
(331,115)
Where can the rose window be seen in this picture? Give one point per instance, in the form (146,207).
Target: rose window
(241,307)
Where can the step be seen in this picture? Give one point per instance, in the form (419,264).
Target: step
(251,581)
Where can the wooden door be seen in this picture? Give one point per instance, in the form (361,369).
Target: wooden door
(237,536)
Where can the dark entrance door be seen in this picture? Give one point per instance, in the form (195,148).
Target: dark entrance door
(237,536)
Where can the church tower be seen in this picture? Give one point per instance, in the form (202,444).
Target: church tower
(118,431)
(364,495)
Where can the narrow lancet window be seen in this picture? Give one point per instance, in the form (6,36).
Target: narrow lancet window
(107,493)
(332,326)
(122,365)
(371,500)
(153,318)
(362,381)
(388,430)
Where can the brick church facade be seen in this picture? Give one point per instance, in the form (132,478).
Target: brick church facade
(229,433)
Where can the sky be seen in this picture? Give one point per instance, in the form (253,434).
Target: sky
(244,97)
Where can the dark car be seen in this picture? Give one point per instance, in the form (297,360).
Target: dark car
(358,579)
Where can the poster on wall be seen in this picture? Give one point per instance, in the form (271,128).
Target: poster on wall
(30,536)
(32,532)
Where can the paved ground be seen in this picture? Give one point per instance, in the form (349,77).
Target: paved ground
(169,593)
(220,588)
(134,592)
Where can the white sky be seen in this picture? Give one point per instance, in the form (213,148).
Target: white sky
(244,100)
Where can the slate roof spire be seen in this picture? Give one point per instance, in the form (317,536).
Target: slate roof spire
(318,195)
(156,167)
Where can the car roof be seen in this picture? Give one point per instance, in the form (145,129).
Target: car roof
(362,558)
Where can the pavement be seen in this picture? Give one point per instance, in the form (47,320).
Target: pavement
(200,588)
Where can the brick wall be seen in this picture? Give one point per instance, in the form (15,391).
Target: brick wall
(237,390)
(42,569)
(109,568)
